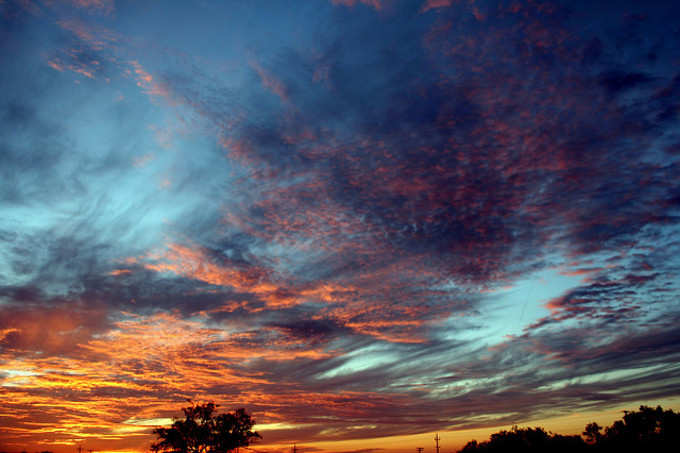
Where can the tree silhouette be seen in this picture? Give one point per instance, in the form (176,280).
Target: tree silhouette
(592,433)
(645,430)
(203,432)
(526,440)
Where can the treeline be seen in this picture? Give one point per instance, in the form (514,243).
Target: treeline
(647,430)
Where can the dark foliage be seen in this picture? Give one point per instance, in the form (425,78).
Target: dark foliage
(645,430)
(653,430)
(203,432)
(526,440)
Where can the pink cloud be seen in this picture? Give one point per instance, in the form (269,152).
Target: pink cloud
(374,3)
(55,64)
(434,4)
(100,6)
(270,81)
(97,38)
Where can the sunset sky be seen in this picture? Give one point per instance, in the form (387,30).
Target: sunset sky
(365,221)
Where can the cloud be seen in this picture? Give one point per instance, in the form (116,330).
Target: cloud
(270,82)
(100,6)
(52,331)
(350,3)
(434,4)
(616,81)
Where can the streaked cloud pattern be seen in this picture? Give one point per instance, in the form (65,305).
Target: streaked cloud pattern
(358,219)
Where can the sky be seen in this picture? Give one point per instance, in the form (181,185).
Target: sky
(365,221)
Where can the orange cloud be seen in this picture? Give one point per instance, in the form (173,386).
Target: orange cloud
(134,370)
(147,83)
(193,263)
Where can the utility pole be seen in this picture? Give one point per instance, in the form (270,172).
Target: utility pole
(419,449)
(80,449)
(436,441)
(294,448)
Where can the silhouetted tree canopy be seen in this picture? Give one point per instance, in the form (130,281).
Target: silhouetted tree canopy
(653,430)
(203,432)
(592,433)
(645,430)
(526,440)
